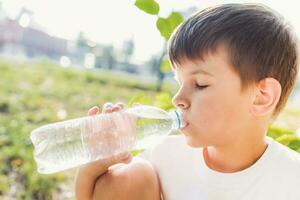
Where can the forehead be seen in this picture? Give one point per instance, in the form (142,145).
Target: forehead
(215,64)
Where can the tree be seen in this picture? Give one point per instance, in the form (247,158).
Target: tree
(128,49)
(165,26)
(109,56)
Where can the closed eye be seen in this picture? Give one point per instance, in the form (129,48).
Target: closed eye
(201,87)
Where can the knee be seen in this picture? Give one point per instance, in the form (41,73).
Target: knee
(112,185)
(136,180)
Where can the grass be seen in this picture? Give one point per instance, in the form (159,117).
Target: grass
(36,93)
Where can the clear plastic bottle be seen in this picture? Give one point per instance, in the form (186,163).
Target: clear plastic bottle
(71,143)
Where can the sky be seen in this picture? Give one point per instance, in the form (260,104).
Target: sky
(113,21)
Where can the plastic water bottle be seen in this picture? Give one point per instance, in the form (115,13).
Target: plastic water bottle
(63,145)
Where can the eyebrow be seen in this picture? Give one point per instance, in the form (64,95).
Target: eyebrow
(201,71)
(198,71)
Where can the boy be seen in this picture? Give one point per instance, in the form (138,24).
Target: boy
(236,65)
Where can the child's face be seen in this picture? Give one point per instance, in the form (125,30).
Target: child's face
(219,113)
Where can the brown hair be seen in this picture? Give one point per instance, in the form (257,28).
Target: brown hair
(260,44)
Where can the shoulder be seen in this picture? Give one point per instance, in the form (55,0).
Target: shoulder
(286,162)
(284,153)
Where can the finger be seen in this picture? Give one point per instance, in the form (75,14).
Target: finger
(93,111)
(107,107)
(121,104)
(116,108)
(123,161)
(120,158)
(125,156)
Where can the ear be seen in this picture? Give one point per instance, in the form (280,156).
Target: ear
(266,98)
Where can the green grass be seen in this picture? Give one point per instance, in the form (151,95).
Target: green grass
(36,93)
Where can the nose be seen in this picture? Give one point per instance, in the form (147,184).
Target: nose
(181,101)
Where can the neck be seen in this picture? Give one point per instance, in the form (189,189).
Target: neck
(238,156)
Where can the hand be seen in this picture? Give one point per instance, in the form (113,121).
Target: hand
(88,174)
(99,167)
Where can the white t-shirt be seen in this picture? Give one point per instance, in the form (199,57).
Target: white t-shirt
(184,175)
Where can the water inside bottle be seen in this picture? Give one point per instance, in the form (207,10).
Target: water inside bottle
(75,142)
(57,143)
(152,125)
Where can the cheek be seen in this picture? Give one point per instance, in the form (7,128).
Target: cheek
(215,114)
(210,115)
(206,114)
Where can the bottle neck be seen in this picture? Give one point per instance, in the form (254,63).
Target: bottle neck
(178,121)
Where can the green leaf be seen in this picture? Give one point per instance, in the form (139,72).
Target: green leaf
(175,19)
(135,152)
(163,27)
(167,25)
(149,6)
(140,98)
(164,101)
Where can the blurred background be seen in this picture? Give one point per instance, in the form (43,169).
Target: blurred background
(58,58)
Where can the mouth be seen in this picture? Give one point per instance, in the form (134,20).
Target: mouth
(185,127)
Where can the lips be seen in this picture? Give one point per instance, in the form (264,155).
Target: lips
(183,120)
(186,125)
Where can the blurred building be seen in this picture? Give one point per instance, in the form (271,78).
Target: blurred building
(20,37)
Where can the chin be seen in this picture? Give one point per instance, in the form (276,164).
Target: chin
(193,142)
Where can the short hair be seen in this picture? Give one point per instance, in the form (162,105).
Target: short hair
(260,43)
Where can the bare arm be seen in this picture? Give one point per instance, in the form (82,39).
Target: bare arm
(88,174)
(112,179)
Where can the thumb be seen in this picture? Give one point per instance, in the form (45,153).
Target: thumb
(93,111)
(125,157)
